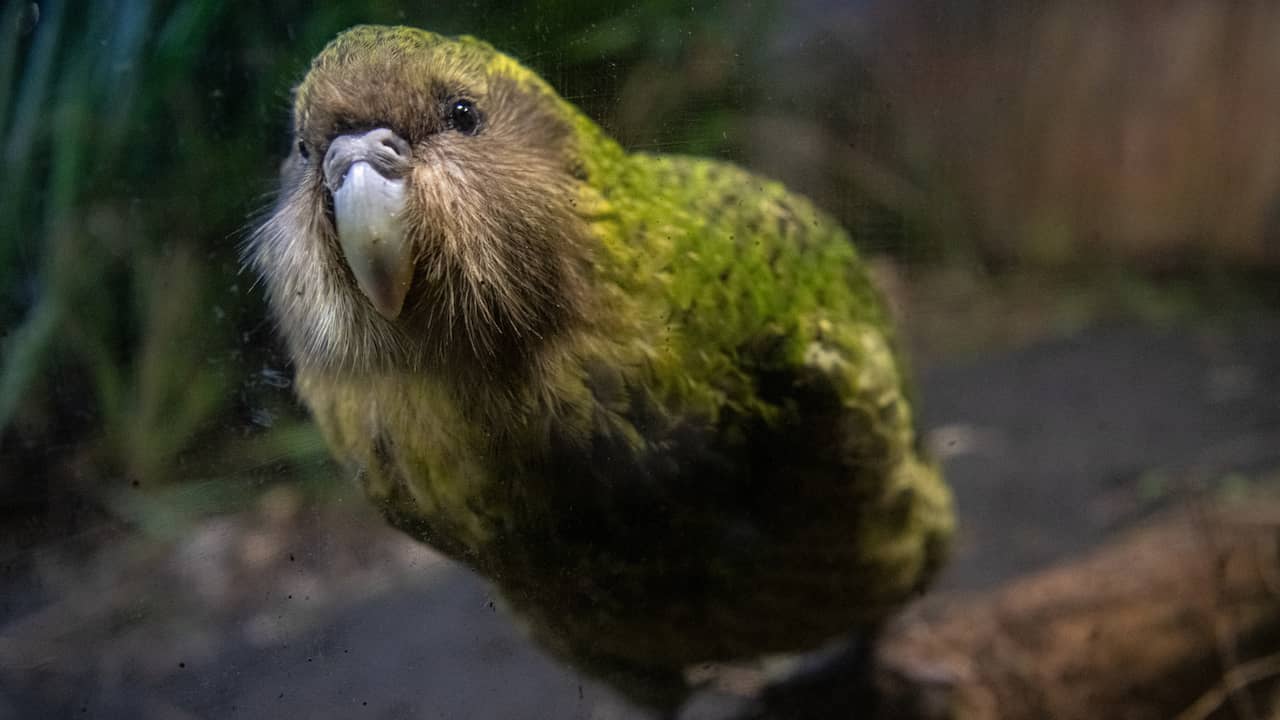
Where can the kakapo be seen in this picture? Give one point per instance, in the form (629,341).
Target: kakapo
(655,400)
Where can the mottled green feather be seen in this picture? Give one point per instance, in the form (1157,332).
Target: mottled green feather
(718,461)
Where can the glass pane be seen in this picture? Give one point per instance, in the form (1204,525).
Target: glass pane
(580,360)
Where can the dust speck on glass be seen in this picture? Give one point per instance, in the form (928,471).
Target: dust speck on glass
(575,360)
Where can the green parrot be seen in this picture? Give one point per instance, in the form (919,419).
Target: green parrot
(653,399)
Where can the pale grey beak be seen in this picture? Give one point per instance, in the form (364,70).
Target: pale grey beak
(366,175)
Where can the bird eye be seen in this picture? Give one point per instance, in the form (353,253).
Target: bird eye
(462,116)
(303,152)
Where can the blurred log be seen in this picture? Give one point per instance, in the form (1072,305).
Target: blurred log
(1175,620)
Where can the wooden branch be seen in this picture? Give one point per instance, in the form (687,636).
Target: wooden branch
(1178,619)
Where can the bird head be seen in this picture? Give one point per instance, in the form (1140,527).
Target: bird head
(427,209)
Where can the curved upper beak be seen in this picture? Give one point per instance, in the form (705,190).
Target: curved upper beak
(365,173)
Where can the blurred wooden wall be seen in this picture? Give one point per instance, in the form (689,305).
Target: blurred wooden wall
(1068,131)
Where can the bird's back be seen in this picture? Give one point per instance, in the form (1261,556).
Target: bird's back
(751,483)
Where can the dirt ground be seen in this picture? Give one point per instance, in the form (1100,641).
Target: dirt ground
(301,608)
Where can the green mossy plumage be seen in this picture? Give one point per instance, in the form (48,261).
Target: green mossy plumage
(707,455)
